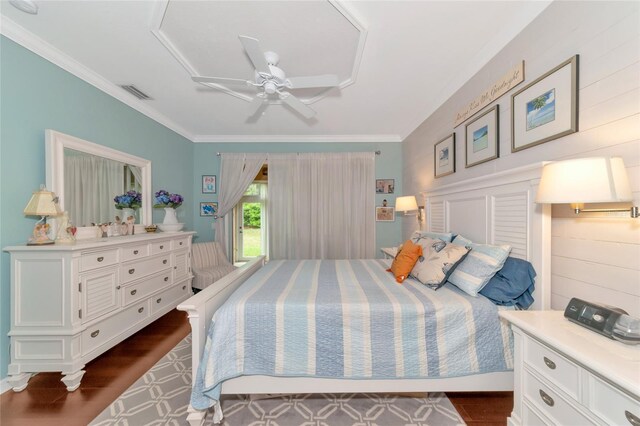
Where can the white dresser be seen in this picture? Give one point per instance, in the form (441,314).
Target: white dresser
(70,303)
(568,375)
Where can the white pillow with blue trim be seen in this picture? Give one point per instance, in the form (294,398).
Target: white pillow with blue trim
(479,266)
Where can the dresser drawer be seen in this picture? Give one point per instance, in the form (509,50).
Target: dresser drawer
(133,270)
(611,405)
(142,289)
(553,366)
(168,297)
(98,259)
(531,417)
(160,247)
(181,243)
(104,331)
(135,252)
(550,404)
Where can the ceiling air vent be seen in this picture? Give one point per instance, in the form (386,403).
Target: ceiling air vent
(135,92)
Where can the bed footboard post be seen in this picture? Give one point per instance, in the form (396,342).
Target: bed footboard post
(195,417)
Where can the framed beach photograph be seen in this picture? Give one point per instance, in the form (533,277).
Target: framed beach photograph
(208,208)
(209,184)
(482,141)
(385,186)
(385,214)
(444,160)
(547,108)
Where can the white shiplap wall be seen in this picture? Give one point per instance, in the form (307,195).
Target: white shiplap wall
(596,258)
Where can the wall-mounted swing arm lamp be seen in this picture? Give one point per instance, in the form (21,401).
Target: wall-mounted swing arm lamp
(408,204)
(586,180)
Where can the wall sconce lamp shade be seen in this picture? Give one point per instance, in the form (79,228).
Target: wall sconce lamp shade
(42,203)
(586,180)
(408,204)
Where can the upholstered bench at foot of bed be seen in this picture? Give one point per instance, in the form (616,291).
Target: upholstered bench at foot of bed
(209,264)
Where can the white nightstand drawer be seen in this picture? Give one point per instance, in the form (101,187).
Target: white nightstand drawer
(553,366)
(611,405)
(135,252)
(531,417)
(550,404)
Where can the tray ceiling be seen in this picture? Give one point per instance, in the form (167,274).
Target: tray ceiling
(397,61)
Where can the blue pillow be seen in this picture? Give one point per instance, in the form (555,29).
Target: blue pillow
(512,285)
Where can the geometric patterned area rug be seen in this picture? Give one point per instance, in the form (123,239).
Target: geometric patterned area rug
(161,397)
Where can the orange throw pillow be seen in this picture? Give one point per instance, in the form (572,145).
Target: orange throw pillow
(405,259)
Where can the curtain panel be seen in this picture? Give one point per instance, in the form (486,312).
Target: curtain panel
(321,206)
(237,172)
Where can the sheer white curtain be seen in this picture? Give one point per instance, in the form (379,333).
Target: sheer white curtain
(237,171)
(321,206)
(90,184)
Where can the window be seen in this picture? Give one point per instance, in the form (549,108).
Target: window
(250,221)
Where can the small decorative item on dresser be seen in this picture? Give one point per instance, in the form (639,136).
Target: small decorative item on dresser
(42,203)
(128,202)
(66,230)
(151,228)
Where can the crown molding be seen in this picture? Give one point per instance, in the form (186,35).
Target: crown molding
(296,138)
(30,41)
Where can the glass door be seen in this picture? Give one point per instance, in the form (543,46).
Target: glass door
(251,223)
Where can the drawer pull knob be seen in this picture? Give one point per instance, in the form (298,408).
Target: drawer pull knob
(159,300)
(95,333)
(550,364)
(118,288)
(133,292)
(184,287)
(633,419)
(166,279)
(180,242)
(161,247)
(546,398)
(164,262)
(132,270)
(100,259)
(141,310)
(135,252)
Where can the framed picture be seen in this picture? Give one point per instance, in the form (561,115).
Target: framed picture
(208,208)
(482,142)
(209,184)
(385,186)
(547,108)
(444,160)
(385,214)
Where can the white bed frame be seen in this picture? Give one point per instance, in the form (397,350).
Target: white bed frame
(496,209)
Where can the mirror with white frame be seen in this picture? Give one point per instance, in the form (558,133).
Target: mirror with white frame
(86,177)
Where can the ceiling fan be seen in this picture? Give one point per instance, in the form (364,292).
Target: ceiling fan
(272,80)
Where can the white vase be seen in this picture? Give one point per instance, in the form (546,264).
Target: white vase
(170,217)
(126,212)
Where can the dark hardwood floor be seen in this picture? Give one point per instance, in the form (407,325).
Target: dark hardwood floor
(46,401)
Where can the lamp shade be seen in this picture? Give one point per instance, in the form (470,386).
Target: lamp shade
(42,203)
(584,180)
(406,204)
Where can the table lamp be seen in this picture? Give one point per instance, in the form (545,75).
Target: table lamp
(42,203)
(586,180)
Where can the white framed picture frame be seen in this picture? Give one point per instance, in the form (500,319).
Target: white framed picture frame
(208,184)
(482,141)
(444,156)
(547,108)
(385,214)
(208,208)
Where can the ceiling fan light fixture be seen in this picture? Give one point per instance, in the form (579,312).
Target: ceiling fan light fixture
(26,6)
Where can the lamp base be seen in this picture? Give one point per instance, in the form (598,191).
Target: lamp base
(32,242)
(40,235)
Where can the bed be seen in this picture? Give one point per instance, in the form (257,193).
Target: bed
(496,209)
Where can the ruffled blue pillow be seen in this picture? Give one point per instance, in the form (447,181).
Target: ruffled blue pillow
(512,285)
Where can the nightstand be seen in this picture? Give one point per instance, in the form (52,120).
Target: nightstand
(389,252)
(568,375)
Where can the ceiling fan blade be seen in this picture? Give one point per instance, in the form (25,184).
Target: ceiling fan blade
(256,104)
(221,80)
(325,80)
(297,105)
(252,47)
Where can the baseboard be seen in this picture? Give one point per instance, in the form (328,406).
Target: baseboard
(4,385)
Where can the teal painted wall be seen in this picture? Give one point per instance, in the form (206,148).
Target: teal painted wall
(36,95)
(388,166)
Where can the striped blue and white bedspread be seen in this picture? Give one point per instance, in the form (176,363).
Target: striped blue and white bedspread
(348,319)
